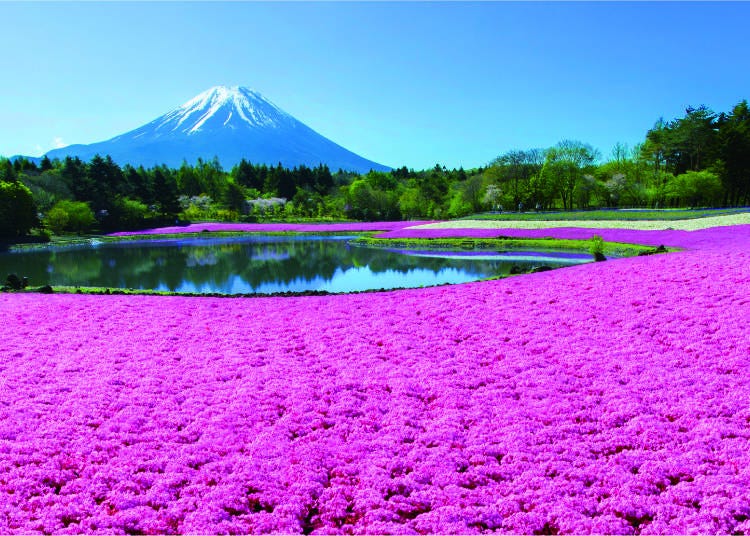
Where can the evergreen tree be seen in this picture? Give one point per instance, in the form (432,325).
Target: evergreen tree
(73,173)
(234,197)
(45,164)
(287,188)
(104,181)
(734,136)
(165,191)
(692,140)
(247,175)
(135,184)
(271,180)
(7,171)
(188,181)
(323,179)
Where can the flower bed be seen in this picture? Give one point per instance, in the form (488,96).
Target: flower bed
(346,227)
(691,224)
(607,398)
(689,239)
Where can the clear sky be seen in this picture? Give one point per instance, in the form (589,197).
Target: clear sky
(399,83)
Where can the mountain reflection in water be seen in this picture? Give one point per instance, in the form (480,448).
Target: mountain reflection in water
(263,264)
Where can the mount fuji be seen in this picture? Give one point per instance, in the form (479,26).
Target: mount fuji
(230,123)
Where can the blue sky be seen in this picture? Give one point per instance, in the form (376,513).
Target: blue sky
(400,83)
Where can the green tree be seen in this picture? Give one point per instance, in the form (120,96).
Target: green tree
(47,188)
(17,210)
(245,174)
(653,152)
(128,214)
(457,205)
(434,186)
(73,216)
(323,179)
(45,164)
(7,171)
(73,173)
(286,187)
(210,178)
(411,204)
(734,142)
(693,140)
(623,180)
(565,164)
(512,172)
(586,189)
(380,180)
(541,189)
(137,184)
(472,193)
(361,199)
(103,182)
(694,188)
(234,196)
(165,191)
(188,182)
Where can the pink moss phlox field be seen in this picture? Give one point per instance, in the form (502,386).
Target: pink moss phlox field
(610,397)
(675,238)
(346,227)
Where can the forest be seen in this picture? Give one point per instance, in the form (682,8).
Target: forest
(701,159)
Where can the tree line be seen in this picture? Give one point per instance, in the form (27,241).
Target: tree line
(700,159)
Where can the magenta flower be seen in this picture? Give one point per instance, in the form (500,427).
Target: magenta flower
(345,227)
(604,398)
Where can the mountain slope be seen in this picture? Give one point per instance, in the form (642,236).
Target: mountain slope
(228,122)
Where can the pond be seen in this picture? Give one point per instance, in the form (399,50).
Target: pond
(263,264)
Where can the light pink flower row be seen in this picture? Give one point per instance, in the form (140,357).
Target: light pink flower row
(694,239)
(608,398)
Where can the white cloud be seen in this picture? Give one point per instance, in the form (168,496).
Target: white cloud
(58,142)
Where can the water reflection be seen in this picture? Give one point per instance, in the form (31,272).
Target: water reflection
(262,264)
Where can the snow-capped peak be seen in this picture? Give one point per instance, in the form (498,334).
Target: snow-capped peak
(223,107)
(231,123)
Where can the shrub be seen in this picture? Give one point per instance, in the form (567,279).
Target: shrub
(695,188)
(56,220)
(129,213)
(596,248)
(70,216)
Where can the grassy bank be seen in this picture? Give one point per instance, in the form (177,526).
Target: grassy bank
(614,249)
(89,240)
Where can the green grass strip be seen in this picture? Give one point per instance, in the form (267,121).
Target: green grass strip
(612,249)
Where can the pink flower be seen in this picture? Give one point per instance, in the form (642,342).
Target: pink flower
(607,398)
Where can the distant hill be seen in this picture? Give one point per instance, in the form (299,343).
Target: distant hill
(231,123)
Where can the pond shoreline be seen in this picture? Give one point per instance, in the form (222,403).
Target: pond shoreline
(365,240)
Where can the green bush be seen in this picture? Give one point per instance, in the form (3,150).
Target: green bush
(695,189)
(70,216)
(128,213)
(56,220)
(596,247)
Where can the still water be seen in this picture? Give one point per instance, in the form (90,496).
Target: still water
(263,264)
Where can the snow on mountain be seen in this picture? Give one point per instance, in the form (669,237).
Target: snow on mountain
(220,107)
(228,122)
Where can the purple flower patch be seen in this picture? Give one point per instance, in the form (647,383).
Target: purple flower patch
(609,397)
(346,227)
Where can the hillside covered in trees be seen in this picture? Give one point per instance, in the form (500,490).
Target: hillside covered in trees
(700,159)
